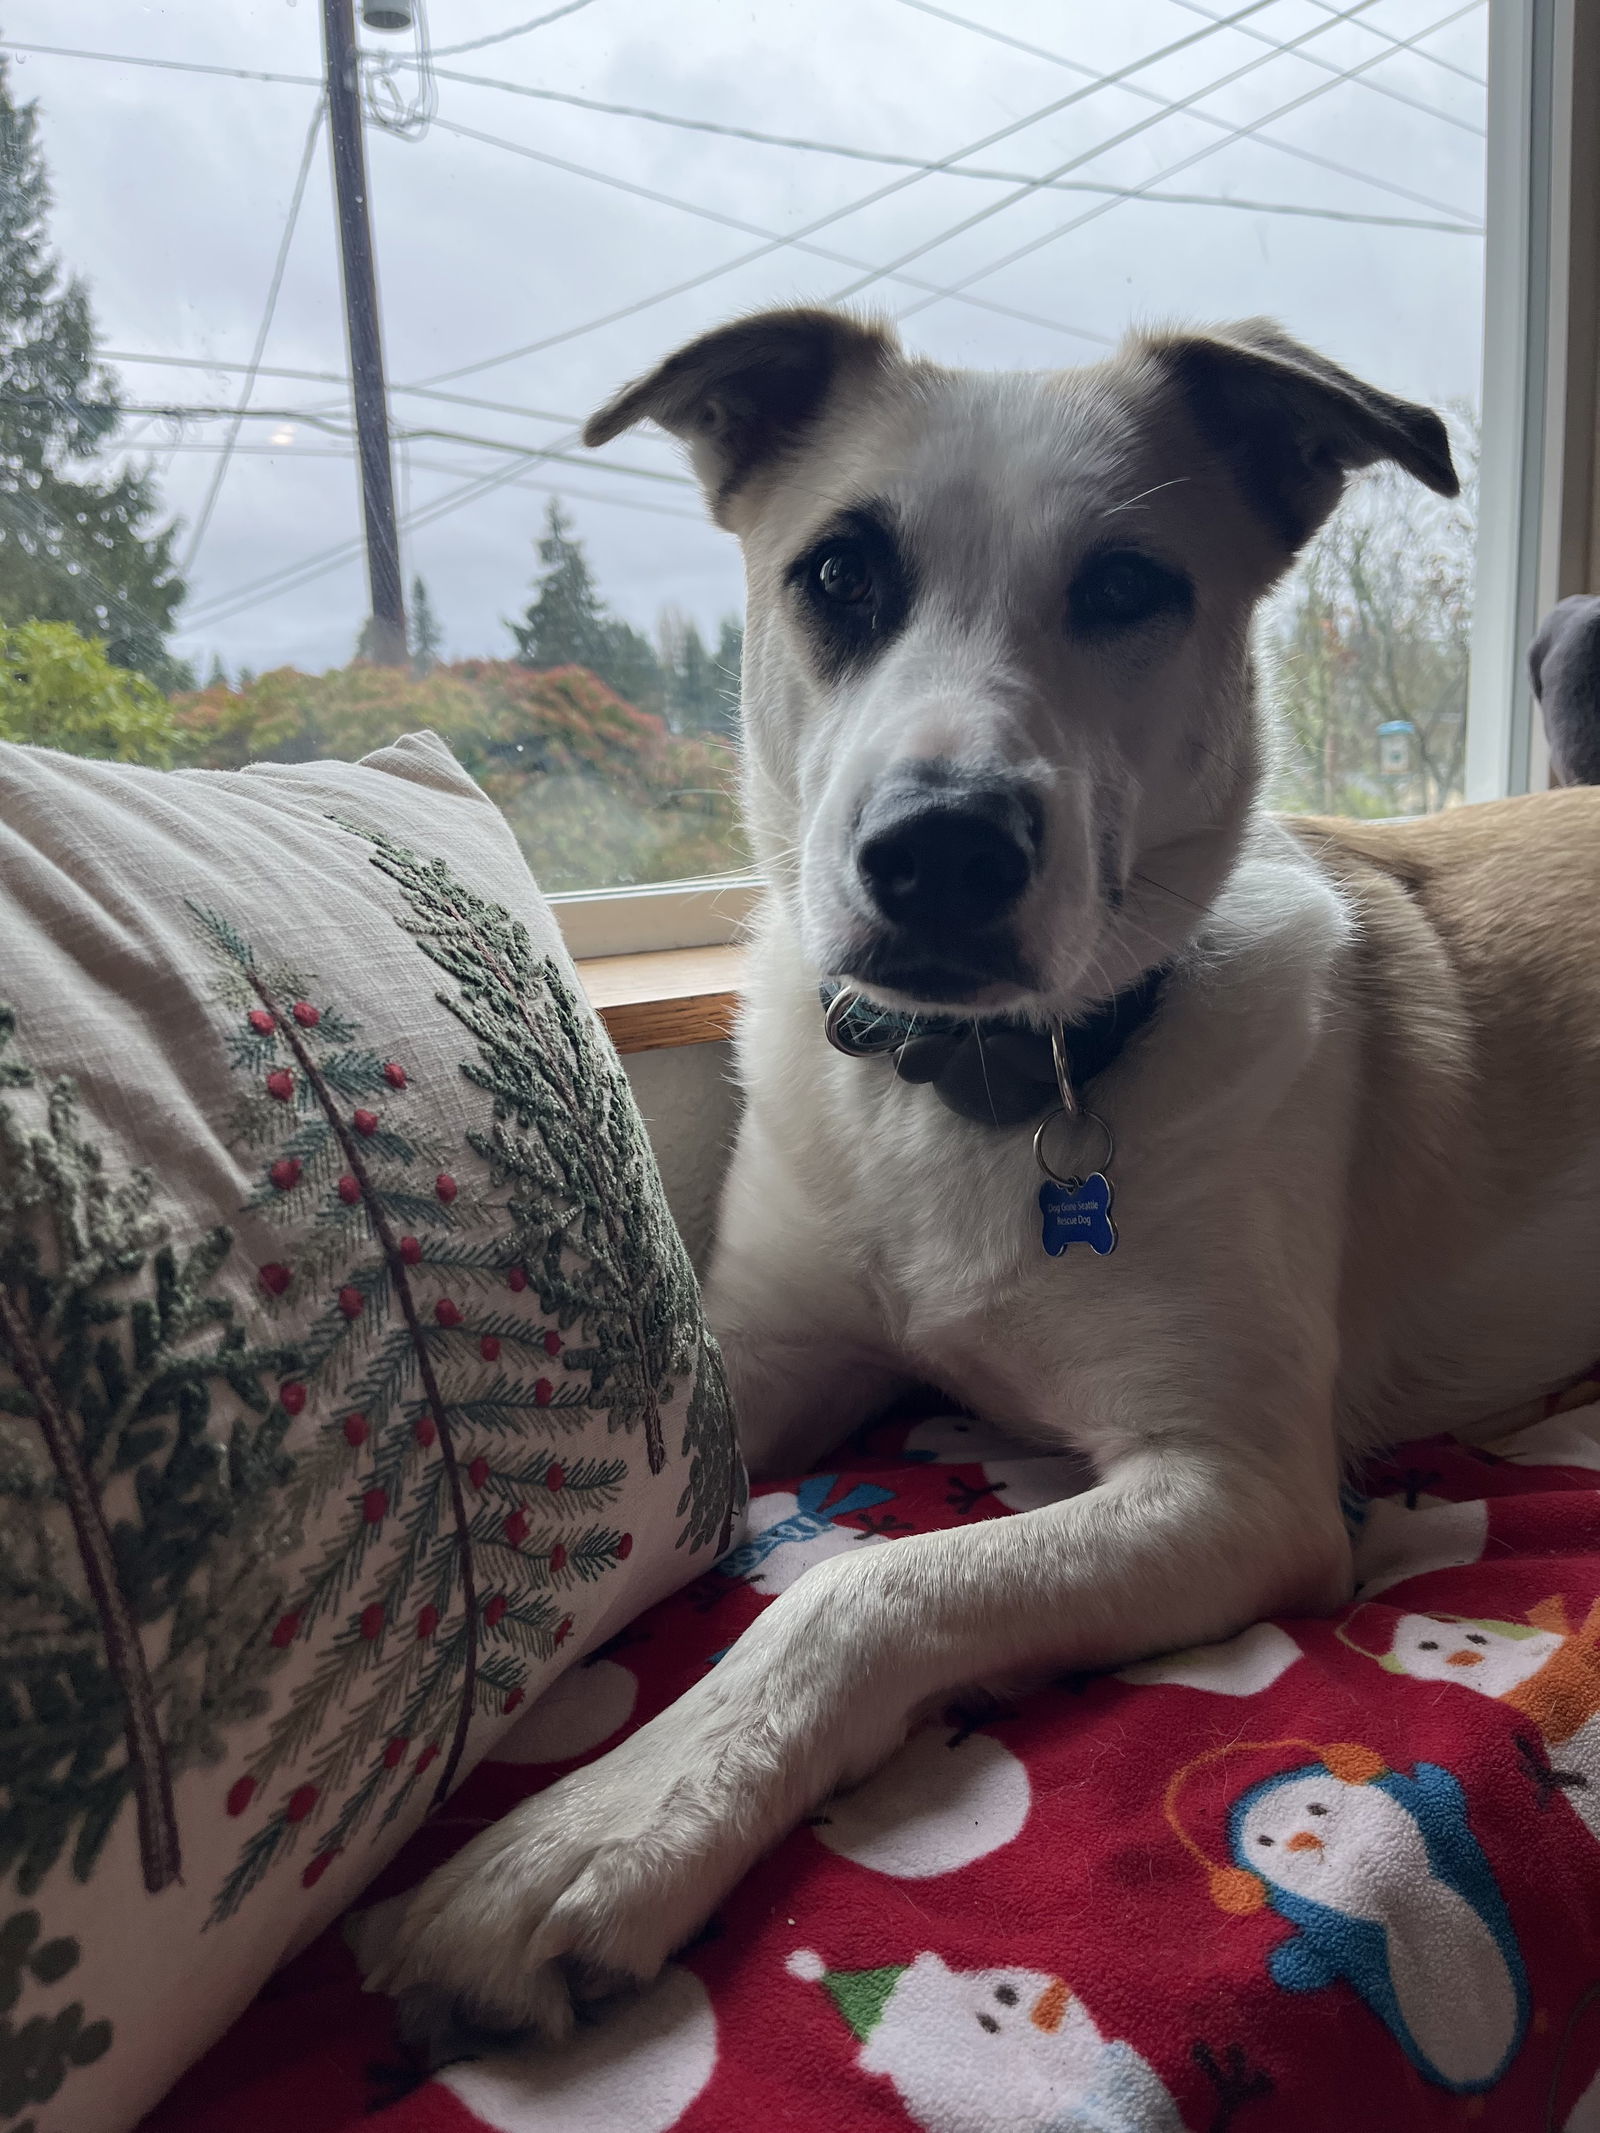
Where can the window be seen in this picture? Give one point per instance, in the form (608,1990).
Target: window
(557,198)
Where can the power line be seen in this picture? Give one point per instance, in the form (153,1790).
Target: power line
(291,577)
(733,222)
(269,309)
(175,66)
(853,207)
(1087,155)
(867,155)
(986,176)
(1434,59)
(336,377)
(331,428)
(1331,66)
(1206,118)
(1241,132)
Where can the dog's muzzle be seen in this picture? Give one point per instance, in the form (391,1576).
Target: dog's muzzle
(942,859)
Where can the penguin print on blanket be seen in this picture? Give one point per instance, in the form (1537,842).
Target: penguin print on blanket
(961,2046)
(1540,1666)
(1385,1887)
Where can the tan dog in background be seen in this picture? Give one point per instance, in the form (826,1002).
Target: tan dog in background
(1002,757)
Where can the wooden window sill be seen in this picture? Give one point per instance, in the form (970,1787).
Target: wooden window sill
(670,996)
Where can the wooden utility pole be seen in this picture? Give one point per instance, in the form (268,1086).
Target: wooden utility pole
(385,639)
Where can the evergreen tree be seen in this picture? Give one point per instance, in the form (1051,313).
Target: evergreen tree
(72,549)
(427,637)
(566,623)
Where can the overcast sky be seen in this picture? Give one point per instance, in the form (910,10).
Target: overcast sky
(172,190)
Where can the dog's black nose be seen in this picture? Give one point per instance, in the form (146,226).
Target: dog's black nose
(946,857)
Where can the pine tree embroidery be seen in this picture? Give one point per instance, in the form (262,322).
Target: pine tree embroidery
(455,1525)
(591,1221)
(37,2055)
(127,1656)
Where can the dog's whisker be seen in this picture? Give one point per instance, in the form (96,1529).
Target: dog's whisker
(1128,502)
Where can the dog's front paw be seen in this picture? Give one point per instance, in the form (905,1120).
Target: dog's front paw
(587,1887)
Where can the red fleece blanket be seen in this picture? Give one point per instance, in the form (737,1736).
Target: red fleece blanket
(1328,1874)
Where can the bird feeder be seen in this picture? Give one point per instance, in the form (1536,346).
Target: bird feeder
(387,14)
(1397,748)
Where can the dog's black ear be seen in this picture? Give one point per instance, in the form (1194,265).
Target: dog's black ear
(1293,425)
(741,395)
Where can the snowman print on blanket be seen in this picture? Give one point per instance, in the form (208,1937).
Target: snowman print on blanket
(948,1798)
(1540,1667)
(786,1532)
(970,2050)
(1385,1887)
(1022,1480)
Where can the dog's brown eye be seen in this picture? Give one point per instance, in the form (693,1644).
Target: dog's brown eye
(843,574)
(1121,589)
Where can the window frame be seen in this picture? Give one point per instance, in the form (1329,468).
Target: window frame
(1536,503)
(1539,498)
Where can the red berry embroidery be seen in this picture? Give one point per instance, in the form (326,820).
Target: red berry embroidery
(425,1430)
(349,1189)
(555,1476)
(285,1173)
(373,1505)
(427,1756)
(292,1397)
(552,1343)
(365,1122)
(372,1619)
(489,1348)
(240,1794)
(558,1560)
(517,1528)
(285,1630)
(351,1303)
(446,1312)
(565,1630)
(427,1623)
(410,1251)
(543,1393)
(446,1187)
(301,1802)
(494,1613)
(280,1083)
(517,1280)
(355,1431)
(394,1073)
(478,1472)
(261,1022)
(275,1277)
(305,1014)
(395,1753)
(624,1547)
(512,1701)
(318,1867)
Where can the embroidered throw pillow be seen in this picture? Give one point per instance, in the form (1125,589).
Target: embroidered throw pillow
(352,1376)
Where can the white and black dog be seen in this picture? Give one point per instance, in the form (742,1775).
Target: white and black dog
(1002,758)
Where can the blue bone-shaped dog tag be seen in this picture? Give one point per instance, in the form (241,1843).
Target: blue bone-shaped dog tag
(1081,1217)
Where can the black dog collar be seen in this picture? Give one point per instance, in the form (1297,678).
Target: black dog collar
(998,1073)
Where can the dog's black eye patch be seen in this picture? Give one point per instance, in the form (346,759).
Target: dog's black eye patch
(852,588)
(1120,588)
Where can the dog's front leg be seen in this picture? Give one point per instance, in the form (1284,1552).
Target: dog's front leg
(606,1873)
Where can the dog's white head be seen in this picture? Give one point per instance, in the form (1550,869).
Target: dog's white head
(1000,730)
